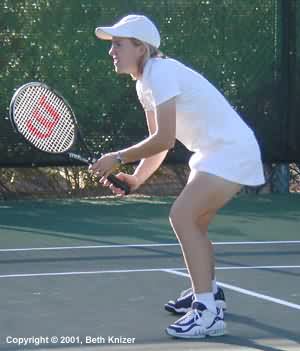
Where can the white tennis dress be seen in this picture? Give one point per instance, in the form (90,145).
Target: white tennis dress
(206,124)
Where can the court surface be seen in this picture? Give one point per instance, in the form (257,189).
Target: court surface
(75,274)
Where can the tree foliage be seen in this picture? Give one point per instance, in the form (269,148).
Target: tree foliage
(237,44)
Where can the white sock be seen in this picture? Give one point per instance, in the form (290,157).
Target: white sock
(214,286)
(208,300)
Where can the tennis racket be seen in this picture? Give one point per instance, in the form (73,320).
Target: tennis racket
(45,120)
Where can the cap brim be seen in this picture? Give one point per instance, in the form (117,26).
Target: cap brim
(105,33)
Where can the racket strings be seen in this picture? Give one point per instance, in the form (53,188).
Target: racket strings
(62,135)
(44,119)
(26,106)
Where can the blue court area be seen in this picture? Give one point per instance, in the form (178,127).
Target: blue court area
(95,274)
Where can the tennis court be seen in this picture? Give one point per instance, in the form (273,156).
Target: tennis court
(95,274)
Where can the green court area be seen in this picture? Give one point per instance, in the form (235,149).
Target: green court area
(95,274)
(140,220)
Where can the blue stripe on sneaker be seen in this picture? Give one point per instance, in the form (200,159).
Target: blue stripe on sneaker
(179,330)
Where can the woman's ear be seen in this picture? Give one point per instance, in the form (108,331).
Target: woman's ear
(142,50)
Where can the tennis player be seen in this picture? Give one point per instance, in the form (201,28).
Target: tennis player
(181,104)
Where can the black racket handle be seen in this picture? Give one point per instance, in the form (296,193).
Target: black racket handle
(113,179)
(119,183)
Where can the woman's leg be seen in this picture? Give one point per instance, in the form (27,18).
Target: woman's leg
(190,216)
(203,223)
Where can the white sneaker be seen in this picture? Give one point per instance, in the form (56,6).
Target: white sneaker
(183,303)
(198,323)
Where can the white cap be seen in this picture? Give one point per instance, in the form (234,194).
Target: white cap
(131,26)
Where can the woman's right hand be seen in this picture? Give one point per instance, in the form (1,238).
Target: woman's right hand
(130,179)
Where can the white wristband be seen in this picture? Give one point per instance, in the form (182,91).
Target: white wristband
(119,158)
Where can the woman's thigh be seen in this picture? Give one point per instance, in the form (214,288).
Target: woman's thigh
(203,196)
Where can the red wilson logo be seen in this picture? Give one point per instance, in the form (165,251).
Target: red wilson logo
(47,121)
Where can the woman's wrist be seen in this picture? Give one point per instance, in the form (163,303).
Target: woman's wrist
(119,158)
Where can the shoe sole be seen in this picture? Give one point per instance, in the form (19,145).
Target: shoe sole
(221,331)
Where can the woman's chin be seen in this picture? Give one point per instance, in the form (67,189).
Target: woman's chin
(118,70)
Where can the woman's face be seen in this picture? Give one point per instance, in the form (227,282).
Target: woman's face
(126,55)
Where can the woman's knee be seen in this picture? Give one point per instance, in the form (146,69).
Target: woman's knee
(184,219)
(204,220)
(173,215)
(176,217)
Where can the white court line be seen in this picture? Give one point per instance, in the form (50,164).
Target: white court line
(142,270)
(55,274)
(256,267)
(57,248)
(116,246)
(244,291)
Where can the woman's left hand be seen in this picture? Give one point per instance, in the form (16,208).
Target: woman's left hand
(104,165)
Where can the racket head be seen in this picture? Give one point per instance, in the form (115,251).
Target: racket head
(43,118)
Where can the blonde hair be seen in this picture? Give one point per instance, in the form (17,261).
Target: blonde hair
(150,52)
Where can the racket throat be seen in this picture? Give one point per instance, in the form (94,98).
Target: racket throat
(73,156)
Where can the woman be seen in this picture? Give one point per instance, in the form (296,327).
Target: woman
(180,103)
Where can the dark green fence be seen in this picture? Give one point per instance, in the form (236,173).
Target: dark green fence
(247,48)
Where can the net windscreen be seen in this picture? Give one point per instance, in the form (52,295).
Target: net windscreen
(249,49)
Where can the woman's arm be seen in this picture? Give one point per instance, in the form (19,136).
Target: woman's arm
(159,142)
(162,137)
(149,165)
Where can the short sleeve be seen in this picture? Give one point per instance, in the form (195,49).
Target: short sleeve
(162,81)
(145,102)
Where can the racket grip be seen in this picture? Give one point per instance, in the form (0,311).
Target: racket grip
(119,183)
